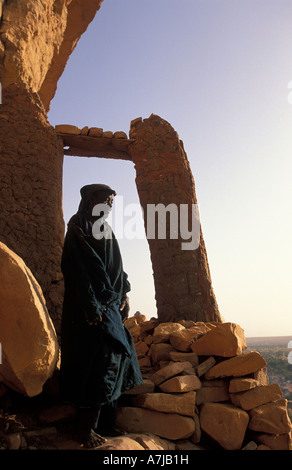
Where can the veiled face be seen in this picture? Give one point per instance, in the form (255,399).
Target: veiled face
(101,197)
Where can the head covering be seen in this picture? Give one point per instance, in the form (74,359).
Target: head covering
(89,189)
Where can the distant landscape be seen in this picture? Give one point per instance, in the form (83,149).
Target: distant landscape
(275,351)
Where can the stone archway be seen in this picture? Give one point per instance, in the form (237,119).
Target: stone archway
(182,279)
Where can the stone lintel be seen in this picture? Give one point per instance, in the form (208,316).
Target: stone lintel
(102,147)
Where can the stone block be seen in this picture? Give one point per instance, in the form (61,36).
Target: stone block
(120,443)
(183,339)
(146,387)
(213,394)
(270,418)
(225,424)
(144,361)
(237,366)
(180,384)
(151,442)
(178,356)
(107,134)
(256,396)
(242,384)
(261,376)
(163,331)
(141,348)
(182,403)
(169,371)
(226,340)
(120,135)
(160,352)
(136,332)
(67,129)
(202,368)
(95,132)
(166,425)
(276,441)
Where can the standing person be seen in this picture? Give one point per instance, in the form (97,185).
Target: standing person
(98,358)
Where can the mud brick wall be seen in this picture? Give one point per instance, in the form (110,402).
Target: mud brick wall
(31,162)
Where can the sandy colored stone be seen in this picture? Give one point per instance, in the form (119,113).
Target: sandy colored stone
(169,371)
(130,323)
(237,366)
(242,384)
(163,331)
(276,441)
(151,442)
(67,129)
(139,317)
(256,396)
(144,361)
(178,356)
(136,332)
(120,135)
(166,425)
(271,418)
(148,339)
(250,446)
(95,132)
(182,403)
(141,348)
(84,130)
(202,368)
(160,352)
(225,423)
(183,339)
(180,384)
(261,376)
(107,134)
(146,387)
(120,443)
(212,394)
(226,340)
(28,339)
(196,437)
(147,327)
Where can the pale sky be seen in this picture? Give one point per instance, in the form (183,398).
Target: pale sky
(219,72)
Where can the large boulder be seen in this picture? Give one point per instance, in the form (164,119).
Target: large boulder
(28,339)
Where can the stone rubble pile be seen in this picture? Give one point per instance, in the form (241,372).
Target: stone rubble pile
(200,384)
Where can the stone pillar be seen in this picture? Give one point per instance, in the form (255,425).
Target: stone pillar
(31,161)
(182,278)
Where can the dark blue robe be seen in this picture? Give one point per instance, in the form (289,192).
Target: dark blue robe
(98,362)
